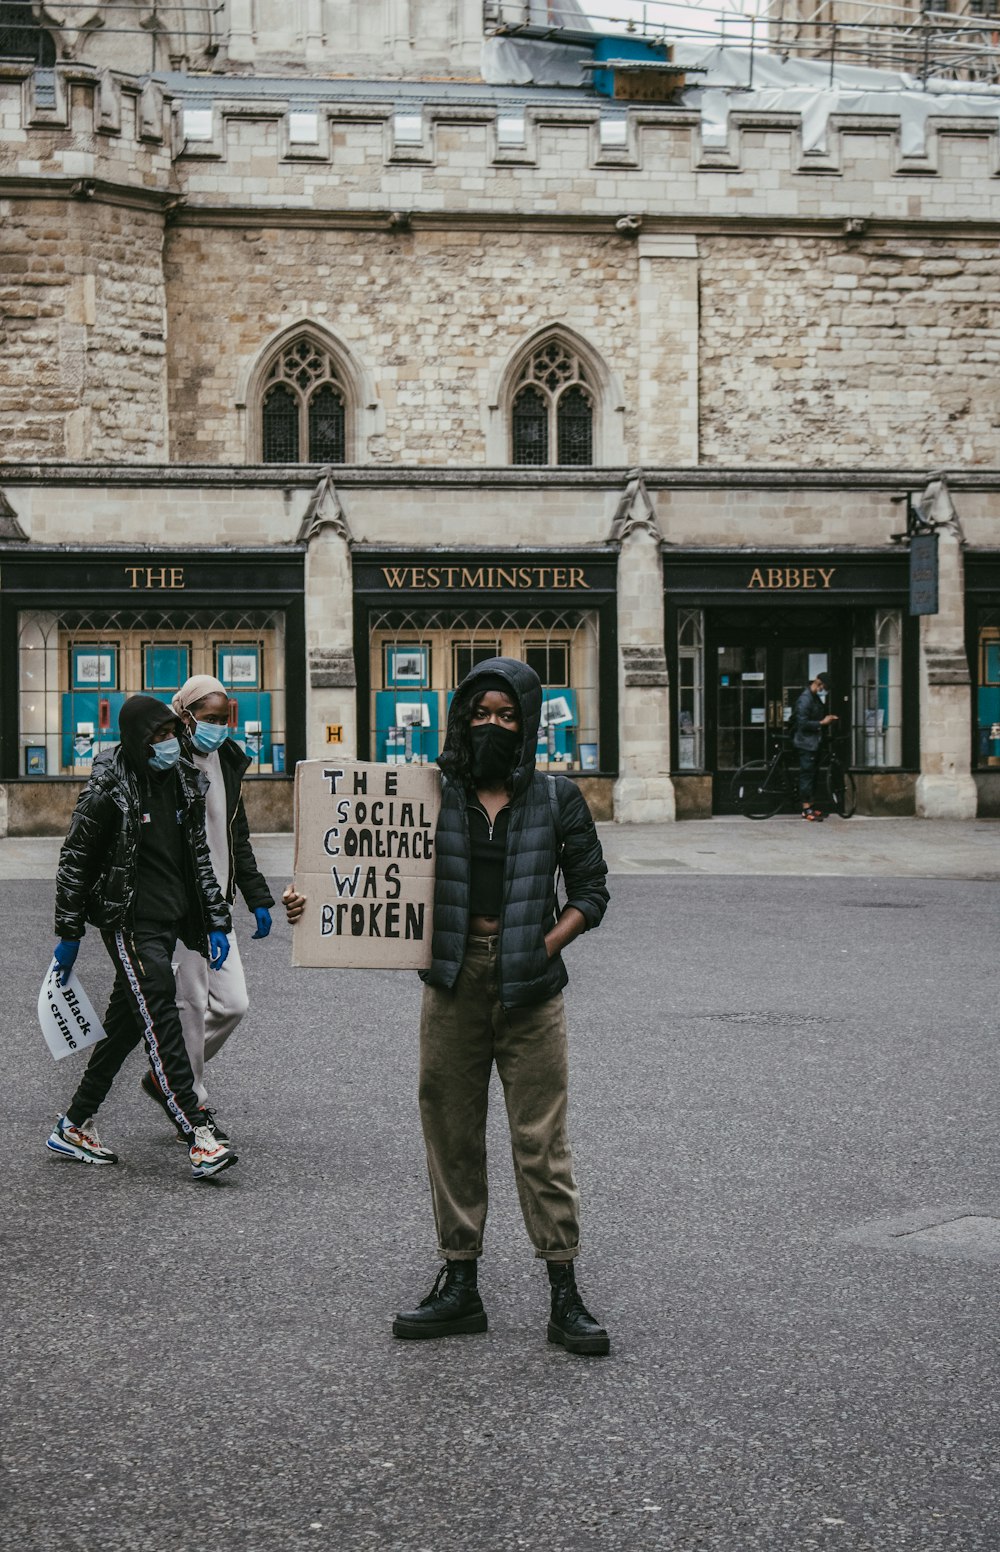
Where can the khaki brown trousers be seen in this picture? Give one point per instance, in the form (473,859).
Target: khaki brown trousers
(462,1033)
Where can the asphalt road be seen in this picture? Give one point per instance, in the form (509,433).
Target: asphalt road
(784,1110)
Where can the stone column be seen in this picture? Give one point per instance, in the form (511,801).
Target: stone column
(241,45)
(668,349)
(331,699)
(644,792)
(946,788)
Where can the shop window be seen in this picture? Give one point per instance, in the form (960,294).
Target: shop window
(552,409)
(550,660)
(303,407)
(877,691)
(987,750)
(76,669)
(690,690)
(437,648)
(466,654)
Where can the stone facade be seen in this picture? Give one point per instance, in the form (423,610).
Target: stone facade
(83,332)
(780,343)
(876,352)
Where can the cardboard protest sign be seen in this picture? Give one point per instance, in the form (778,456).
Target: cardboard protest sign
(68,1021)
(364,859)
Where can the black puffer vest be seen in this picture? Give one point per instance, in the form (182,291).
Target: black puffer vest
(534,853)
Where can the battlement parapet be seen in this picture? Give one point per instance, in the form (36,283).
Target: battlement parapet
(235,156)
(578,162)
(85,125)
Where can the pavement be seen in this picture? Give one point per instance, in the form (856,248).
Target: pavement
(852,848)
(783,1106)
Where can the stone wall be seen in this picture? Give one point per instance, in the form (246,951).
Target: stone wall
(433,317)
(877,352)
(82,336)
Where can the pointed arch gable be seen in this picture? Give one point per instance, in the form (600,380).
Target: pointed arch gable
(608,434)
(354,378)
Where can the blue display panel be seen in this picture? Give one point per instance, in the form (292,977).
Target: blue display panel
(407,725)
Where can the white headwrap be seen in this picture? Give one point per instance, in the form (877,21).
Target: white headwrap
(195,689)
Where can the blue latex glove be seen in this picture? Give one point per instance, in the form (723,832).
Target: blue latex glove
(64,955)
(263,918)
(218,949)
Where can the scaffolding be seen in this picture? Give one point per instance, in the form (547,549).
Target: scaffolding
(959,41)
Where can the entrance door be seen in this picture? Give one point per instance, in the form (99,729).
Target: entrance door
(757,682)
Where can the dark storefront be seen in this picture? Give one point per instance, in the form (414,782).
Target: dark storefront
(423,620)
(747,630)
(81,630)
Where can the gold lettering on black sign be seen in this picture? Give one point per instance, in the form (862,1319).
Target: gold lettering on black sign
(791,579)
(168,578)
(490,578)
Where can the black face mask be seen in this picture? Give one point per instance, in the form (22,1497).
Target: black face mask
(494,750)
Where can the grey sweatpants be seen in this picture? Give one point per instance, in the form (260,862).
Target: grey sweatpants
(211,1003)
(462,1033)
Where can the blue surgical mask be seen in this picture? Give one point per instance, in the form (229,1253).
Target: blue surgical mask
(208,736)
(165,755)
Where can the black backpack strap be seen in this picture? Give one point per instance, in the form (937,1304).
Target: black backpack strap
(557,830)
(554,809)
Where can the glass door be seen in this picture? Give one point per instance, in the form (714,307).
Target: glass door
(742,706)
(757,682)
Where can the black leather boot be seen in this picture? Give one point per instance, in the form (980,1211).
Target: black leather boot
(571,1323)
(452,1308)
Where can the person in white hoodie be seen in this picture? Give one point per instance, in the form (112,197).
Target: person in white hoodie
(212,1007)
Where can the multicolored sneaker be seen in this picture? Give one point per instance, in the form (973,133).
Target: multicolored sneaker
(79,1142)
(209,1118)
(208,1155)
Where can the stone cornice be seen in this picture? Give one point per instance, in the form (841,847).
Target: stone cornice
(374,476)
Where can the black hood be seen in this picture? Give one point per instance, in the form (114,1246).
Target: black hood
(138,720)
(526,689)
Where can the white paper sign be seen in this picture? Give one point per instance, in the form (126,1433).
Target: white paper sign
(68,1021)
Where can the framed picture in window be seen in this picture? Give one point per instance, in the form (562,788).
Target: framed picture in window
(94,668)
(35,762)
(238,666)
(165,667)
(408,666)
(588,757)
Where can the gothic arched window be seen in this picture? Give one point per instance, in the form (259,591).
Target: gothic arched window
(304,407)
(552,409)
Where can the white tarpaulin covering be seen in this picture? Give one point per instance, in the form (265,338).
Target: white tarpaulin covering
(776,85)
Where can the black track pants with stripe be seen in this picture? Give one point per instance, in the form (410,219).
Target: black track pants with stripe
(143,1006)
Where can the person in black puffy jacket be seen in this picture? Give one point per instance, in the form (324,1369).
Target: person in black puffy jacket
(136,865)
(493,993)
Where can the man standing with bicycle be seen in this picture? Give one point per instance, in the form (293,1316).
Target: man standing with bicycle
(809,719)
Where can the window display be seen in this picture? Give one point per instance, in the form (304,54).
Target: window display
(417,659)
(987,742)
(77,669)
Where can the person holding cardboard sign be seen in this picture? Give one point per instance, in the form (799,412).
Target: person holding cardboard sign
(493,993)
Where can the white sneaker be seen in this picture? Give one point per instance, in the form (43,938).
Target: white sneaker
(208,1155)
(79,1142)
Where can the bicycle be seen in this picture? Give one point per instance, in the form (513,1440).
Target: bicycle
(762,787)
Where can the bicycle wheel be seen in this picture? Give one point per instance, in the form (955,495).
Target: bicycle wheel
(757,790)
(841,790)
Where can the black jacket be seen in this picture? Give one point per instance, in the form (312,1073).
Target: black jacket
(809,713)
(95,882)
(244,873)
(534,852)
